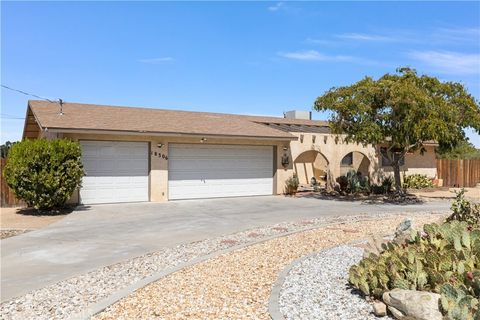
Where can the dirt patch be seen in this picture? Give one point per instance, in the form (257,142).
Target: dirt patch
(28,219)
(447,193)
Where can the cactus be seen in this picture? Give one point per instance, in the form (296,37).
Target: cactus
(464,210)
(443,258)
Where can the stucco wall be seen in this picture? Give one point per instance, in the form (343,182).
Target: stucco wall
(333,149)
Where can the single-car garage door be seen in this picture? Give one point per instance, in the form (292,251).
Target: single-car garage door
(116,171)
(211,171)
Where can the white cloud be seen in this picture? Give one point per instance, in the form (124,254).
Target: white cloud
(156,60)
(276,7)
(313,55)
(449,62)
(321,41)
(365,37)
(457,35)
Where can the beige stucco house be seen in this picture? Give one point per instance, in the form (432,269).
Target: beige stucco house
(141,154)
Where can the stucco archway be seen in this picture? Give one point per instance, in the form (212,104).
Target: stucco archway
(356,161)
(310,164)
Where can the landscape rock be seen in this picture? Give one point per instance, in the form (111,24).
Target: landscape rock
(412,304)
(380,309)
(403,231)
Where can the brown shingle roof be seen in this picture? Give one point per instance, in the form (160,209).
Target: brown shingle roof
(78,116)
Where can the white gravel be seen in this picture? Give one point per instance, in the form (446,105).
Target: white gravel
(72,296)
(317,288)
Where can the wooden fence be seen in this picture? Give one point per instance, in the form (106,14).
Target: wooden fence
(8,198)
(459,173)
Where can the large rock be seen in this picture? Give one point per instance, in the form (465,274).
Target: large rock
(413,305)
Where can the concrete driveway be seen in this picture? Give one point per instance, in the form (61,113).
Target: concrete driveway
(101,235)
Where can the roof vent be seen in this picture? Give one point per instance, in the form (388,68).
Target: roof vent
(297,114)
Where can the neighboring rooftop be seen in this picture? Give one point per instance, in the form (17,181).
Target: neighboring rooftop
(78,116)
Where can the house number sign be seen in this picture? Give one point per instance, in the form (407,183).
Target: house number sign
(160,155)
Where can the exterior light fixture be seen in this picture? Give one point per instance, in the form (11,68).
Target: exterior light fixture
(160,145)
(301,138)
(314,138)
(203,140)
(285,159)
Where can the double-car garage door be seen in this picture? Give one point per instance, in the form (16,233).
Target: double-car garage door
(118,171)
(212,171)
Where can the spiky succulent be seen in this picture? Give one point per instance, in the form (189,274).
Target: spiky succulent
(440,258)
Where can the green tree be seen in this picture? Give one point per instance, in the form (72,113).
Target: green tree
(464,150)
(44,173)
(5,148)
(401,111)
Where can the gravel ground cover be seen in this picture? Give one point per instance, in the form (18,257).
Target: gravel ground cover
(317,288)
(237,285)
(11,233)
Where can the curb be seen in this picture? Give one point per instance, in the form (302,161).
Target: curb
(273,301)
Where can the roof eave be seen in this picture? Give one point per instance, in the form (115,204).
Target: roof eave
(169,134)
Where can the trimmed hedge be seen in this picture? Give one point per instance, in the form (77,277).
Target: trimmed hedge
(44,173)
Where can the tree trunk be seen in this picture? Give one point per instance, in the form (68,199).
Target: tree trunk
(396,174)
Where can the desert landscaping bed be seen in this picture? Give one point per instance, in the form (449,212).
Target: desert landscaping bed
(75,295)
(237,285)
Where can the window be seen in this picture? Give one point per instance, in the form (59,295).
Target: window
(347,160)
(385,161)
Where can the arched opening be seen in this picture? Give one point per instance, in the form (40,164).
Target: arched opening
(311,164)
(356,161)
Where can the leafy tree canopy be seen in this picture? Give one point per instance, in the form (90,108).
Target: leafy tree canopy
(401,111)
(5,148)
(464,150)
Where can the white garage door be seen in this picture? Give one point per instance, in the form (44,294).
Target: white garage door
(210,171)
(115,172)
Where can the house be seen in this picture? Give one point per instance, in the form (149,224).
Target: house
(141,154)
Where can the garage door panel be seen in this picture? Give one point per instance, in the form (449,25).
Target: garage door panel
(115,172)
(209,171)
(221,175)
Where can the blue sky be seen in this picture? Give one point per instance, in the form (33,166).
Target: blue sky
(252,57)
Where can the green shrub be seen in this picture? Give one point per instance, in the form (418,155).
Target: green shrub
(416,181)
(444,259)
(292,184)
(44,173)
(464,210)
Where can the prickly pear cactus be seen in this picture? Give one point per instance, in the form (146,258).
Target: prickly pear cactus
(443,258)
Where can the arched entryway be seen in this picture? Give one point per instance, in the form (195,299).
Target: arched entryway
(356,161)
(311,164)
